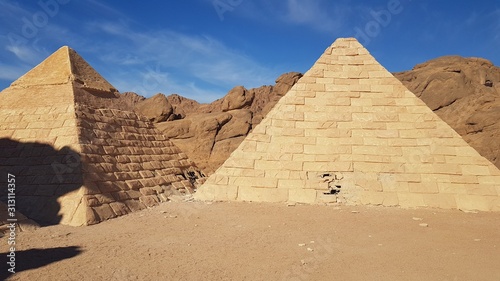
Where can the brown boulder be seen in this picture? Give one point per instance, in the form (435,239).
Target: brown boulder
(237,98)
(182,106)
(285,82)
(156,108)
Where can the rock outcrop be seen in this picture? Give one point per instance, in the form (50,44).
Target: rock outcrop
(465,93)
(156,109)
(208,133)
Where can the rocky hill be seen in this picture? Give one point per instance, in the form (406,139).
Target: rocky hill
(208,133)
(464,92)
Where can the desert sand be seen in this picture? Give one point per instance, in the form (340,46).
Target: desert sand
(265,241)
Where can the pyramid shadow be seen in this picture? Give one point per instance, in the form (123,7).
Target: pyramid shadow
(36,258)
(42,175)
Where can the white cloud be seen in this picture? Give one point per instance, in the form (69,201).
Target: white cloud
(25,53)
(155,80)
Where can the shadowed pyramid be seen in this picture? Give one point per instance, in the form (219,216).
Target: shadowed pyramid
(350,132)
(77,158)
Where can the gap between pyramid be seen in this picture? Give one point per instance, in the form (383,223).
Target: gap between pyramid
(77,159)
(350,132)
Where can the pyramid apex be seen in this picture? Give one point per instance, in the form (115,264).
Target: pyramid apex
(64,66)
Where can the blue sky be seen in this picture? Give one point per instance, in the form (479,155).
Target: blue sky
(202,48)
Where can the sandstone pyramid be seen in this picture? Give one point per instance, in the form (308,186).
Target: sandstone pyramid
(350,132)
(76,157)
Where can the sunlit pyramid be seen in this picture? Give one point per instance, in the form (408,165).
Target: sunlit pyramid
(77,158)
(350,132)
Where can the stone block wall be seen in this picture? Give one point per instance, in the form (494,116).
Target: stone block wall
(37,135)
(349,131)
(127,165)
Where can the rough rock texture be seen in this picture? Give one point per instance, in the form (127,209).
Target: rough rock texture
(208,133)
(465,93)
(156,109)
(182,105)
(237,98)
(350,132)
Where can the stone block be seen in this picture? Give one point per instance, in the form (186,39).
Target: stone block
(148,191)
(146,174)
(411,200)
(148,182)
(443,201)
(87,217)
(372,198)
(119,208)
(149,200)
(120,196)
(90,201)
(254,182)
(106,187)
(104,212)
(475,170)
(483,189)
(493,180)
(134,194)
(465,179)
(104,198)
(391,199)
(134,205)
(215,192)
(134,184)
(266,165)
(369,185)
(476,202)
(423,187)
(291,184)
(299,195)
(254,194)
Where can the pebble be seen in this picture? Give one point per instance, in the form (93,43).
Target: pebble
(477,240)
(312,242)
(302,245)
(355,212)
(424,225)
(417,219)
(310,249)
(303,262)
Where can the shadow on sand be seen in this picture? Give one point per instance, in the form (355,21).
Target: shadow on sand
(36,258)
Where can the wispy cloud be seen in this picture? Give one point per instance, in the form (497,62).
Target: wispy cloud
(11,72)
(316,14)
(158,55)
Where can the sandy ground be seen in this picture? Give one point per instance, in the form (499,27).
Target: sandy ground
(255,241)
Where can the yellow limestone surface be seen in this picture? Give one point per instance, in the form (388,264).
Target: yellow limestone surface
(350,132)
